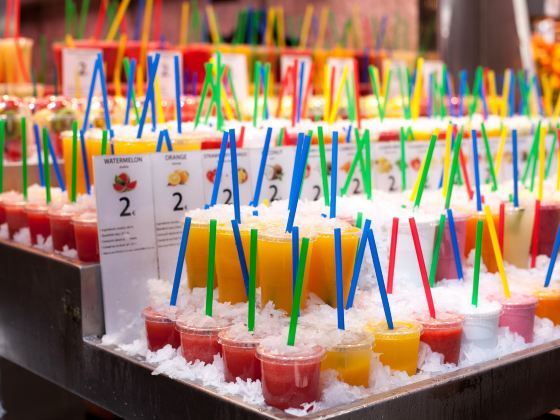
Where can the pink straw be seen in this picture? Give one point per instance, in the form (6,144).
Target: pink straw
(422,266)
(392,253)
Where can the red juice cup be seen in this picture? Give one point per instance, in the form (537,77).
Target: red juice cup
(5,197)
(239,351)
(38,220)
(549,220)
(16,218)
(290,376)
(85,232)
(160,330)
(518,314)
(444,335)
(446,268)
(199,340)
(62,229)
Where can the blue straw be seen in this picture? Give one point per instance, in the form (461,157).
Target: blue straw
(194,83)
(262,167)
(334,175)
(164,135)
(539,95)
(300,90)
(299,146)
(130,89)
(299,179)
(39,154)
(462,90)
(90,95)
(430,95)
(449,93)
(511,98)
(295,255)
(358,264)
(455,244)
(177,92)
(105,96)
(553,258)
(152,72)
(57,173)
(380,280)
(515,168)
(151,96)
(139,18)
(476,172)
(348,134)
(218,177)
(241,255)
(483,100)
(180,261)
(234,175)
(338,269)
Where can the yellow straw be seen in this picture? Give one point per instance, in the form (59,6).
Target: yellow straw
(305,26)
(269,27)
(541,164)
(184,34)
(227,106)
(492,92)
(322,27)
(385,89)
(497,251)
(69,41)
(417,96)
(144,46)
(327,91)
(118,65)
(419,176)
(280,18)
(500,154)
(505,92)
(358,28)
(334,108)
(212,24)
(159,108)
(117,20)
(446,158)
(77,88)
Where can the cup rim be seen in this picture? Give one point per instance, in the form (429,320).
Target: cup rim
(313,354)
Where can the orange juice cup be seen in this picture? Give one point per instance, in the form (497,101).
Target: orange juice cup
(487,251)
(548,305)
(67,153)
(231,287)
(196,255)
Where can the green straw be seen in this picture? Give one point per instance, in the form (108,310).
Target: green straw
(243,26)
(368,163)
(218,90)
(403,92)
(323,159)
(402,139)
(442,107)
(489,157)
(297,292)
(2,142)
(359,219)
(357,158)
(252,280)
(257,73)
(211,263)
(104,143)
(350,100)
(126,65)
(532,152)
(207,81)
(265,89)
(551,154)
(425,171)
(386,97)
(454,167)
(83,18)
(74,160)
(476,273)
(281,137)
(255,29)
(47,173)
(437,246)
(375,88)
(23,157)
(476,89)
(235,101)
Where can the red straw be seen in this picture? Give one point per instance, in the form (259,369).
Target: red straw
(241,136)
(392,253)
(285,83)
(157,20)
(124,28)
(8,18)
(307,89)
(501,224)
(422,266)
(100,19)
(357,95)
(294,92)
(535,239)
(17,12)
(465,174)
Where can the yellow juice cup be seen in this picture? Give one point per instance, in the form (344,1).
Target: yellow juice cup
(351,359)
(196,255)
(231,287)
(322,277)
(397,348)
(548,305)
(134,146)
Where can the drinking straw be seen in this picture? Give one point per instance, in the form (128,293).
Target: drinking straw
(541,167)
(207,82)
(551,154)
(184,28)
(454,168)
(130,70)
(240,254)
(380,280)
(46,170)
(366,142)
(295,255)
(180,261)
(305,26)
(256,84)
(164,135)
(283,87)
(358,263)
(252,281)
(299,146)
(56,166)
(297,292)
(476,90)
(505,92)
(405,100)
(476,172)
(422,266)
(118,64)
(496,247)
(301,164)
(446,158)
(532,152)
(152,70)
(357,157)
(417,96)
(392,254)
(323,160)
(104,143)
(373,76)
(429,154)
(437,246)
(300,90)
(489,157)
(294,91)
(218,177)
(262,167)
(431,99)
(553,257)
(235,101)
(23,157)
(211,261)
(535,238)
(338,273)
(476,269)
(500,153)
(538,95)
(515,169)
(234,175)
(465,172)
(177,93)
(349,99)
(338,96)
(536,156)
(334,179)
(501,222)
(455,244)
(116,20)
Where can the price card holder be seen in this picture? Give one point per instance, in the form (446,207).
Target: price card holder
(127,242)
(277,173)
(237,65)
(177,186)
(77,69)
(386,166)
(346,153)
(312,179)
(287,60)
(166,73)
(225,196)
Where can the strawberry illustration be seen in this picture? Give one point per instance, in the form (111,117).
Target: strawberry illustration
(211,175)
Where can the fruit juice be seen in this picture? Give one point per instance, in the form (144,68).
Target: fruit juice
(444,336)
(397,348)
(290,377)
(447,268)
(194,57)
(93,148)
(231,287)
(57,115)
(518,314)
(38,221)
(10,64)
(160,330)
(196,255)
(351,359)
(274,270)
(199,340)
(322,274)
(549,220)
(134,146)
(487,251)
(548,305)
(239,351)
(11,112)
(186,141)
(85,232)
(67,154)
(16,218)
(480,325)
(518,232)
(62,229)
(5,197)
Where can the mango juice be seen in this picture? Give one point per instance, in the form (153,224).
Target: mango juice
(548,305)
(487,251)
(67,153)
(196,255)
(231,287)
(351,359)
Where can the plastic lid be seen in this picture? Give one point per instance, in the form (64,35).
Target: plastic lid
(291,354)
(85,218)
(400,328)
(352,341)
(518,301)
(443,321)
(238,336)
(484,310)
(202,325)
(548,293)
(151,315)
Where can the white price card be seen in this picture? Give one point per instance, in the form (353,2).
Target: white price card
(346,154)
(237,65)
(386,166)
(127,243)
(166,73)
(415,153)
(277,175)
(77,70)
(313,178)
(288,60)
(177,187)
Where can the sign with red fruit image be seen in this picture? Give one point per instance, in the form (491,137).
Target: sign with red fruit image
(122,183)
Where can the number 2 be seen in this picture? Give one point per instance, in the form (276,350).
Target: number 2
(179,205)
(229,194)
(274,196)
(125,212)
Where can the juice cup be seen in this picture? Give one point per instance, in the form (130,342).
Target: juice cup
(290,377)
(16,218)
(487,252)
(134,146)
(67,154)
(397,348)
(239,351)
(38,221)
(11,112)
(160,330)
(5,197)
(549,220)
(444,336)
(322,275)
(85,232)
(518,231)
(274,270)
(231,287)
(518,314)
(480,325)
(62,230)
(548,305)
(351,358)
(196,255)
(199,339)
(446,268)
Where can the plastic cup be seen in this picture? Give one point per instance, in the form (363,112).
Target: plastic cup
(231,287)
(239,352)
(549,220)
(518,232)
(196,255)
(397,348)
(480,325)
(200,342)
(67,153)
(290,378)
(62,229)
(16,217)
(447,268)
(487,252)
(160,330)
(38,221)
(444,336)
(85,232)
(2,212)
(518,314)
(351,359)
(548,305)
(322,275)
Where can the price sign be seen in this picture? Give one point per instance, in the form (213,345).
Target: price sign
(77,70)
(287,60)
(177,187)
(237,65)
(277,172)
(346,153)
(166,73)
(127,243)
(386,166)
(313,179)
(209,170)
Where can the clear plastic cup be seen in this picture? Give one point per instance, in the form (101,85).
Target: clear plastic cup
(231,286)
(290,378)
(351,358)
(16,217)
(444,335)
(487,252)
(38,221)
(397,348)
(548,305)
(518,314)
(518,232)
(199,341)
(196,255)
(480,325)
(85,232)
(447,268)
(62,229)
(549,220)
(160,330)
(239,351)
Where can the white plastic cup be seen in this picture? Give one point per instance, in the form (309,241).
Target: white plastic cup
(480,326)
